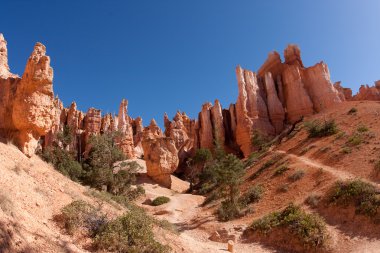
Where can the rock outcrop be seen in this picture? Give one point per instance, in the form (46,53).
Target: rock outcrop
(275,108)
(251,111)
(33,106)
(367,92)
(160,153)
(345,94)
(125,140)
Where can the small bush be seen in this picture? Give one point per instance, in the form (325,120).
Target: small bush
(79,214)
(309,229)
(160,201)
(355,139)
(340,135)
(353,110)
(252,195)
(346,150)
(63,161)
(260,141)
(358,193)
(313,200)
(321,129)
(229,211)
(202,155)
(362,128)
(297,175)
(132,232)
(280,170)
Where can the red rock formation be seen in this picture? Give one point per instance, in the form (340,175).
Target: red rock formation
(161,155)
(319,87)
(275,109)
(206,138)
(251,111)
(4,67)
(125,141)
(295,88)
(138,131)
(292,55)
(344,93)
(33,106)
(217,123)
(368,92)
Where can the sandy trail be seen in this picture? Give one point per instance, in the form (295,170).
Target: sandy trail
(185,212)
(342,175)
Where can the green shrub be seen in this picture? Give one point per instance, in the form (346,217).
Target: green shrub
(355,139)
(202,155)
(360,194)
(63,161)
(229,211)
(320,129)
(252,195)
(280,170)
(353,110)
(132,232)
(346,150)
(297,175)
(309,229)
(160,201)
(362,128)
(79,214)
(260,140)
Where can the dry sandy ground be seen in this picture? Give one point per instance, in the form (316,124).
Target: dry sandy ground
(32,192)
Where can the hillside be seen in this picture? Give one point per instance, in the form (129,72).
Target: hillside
(33,193)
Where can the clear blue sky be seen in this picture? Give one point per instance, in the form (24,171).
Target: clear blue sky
(168,55)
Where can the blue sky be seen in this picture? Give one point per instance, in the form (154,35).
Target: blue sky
(173,55)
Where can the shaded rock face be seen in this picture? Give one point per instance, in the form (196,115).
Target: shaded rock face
(251,110)
(275,108)
(161,155)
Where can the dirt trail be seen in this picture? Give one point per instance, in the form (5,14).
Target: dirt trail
(342,175)
(193,222)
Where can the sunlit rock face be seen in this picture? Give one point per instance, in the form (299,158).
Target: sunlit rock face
(160,154)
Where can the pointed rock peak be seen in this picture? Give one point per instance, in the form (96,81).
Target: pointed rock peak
(4,68)
(217,103)
(292,55)
(138,119)
(206,106)
(153,122)
(39,49)
(73,106)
